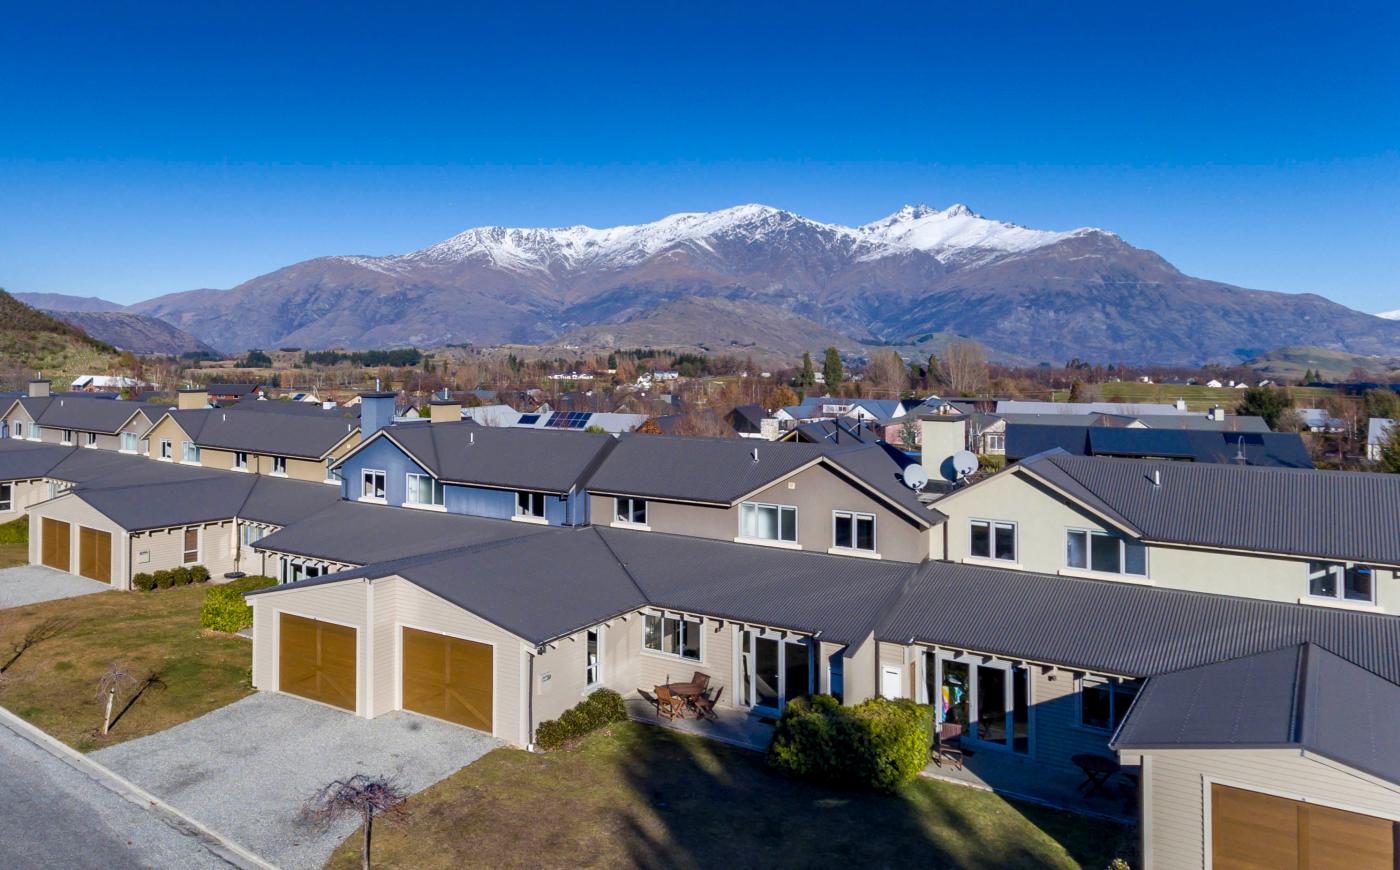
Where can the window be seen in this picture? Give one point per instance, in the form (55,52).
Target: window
(372,484)
(240,460)
(853,531)
(35,431)
(768,522)
(89,439)
(279,465)
(166,450)
(994,442)
(7,498)
(630,510)
(1340,582)
(19,429)
(1105,553)
(1103,703)
(993,540)
(529,504)
(189,452)
(672,635)
(424,490)
(593,651)
(191,549)
(129,442)
(250,534)
(67,436)
(332,474)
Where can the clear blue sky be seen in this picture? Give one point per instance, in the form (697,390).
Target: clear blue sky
(147,149)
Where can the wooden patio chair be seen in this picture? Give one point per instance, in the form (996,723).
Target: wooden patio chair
(947,745)
(650,699)
(700,681)
(669,705)
(705,705)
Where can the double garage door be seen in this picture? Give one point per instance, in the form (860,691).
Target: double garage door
(1253,831)
(94,549)
(444,677)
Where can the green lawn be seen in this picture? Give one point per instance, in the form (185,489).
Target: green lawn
(53,684)
(639,796)
(1198,398)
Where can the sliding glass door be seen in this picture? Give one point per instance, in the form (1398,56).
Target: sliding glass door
(990,700)
(773,670)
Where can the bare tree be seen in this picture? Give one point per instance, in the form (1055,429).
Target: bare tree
(964,367)
(37,633)
(116,678)
(367,797)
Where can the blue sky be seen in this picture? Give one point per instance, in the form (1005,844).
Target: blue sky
(146,149)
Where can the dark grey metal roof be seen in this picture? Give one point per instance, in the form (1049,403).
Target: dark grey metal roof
(1300,695)
(364,534)
(509,458)
(1285,449)
(1304,512)
(281,502)
(300,435)
(841,432)
(881,468)
(171,503)
(85,413)
(710,470)
(27,460)
(1122,628)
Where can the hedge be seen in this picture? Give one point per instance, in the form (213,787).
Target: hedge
(15,531)
(224,608)
(181,576)
(598,709)
(879,744)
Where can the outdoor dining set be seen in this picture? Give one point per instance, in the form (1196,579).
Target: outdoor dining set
(673,700)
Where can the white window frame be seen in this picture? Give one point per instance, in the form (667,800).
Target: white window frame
(67,438)
(279,466)
(625,512)
(1113,693)
(167,450)
(36,432)
(438,492)
(90,439)
(992,540)
(938,660)
(752,508)
(699,627)
(198,545)
(1088,567)
(525,506)
(130,437)
(17,429)
(240,460)
(368,478)
(1340,569)
(593,673)
(188,449)
(332,473)
(7,497)
(855,517)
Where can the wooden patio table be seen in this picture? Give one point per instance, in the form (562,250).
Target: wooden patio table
(1098,769)
(688,691)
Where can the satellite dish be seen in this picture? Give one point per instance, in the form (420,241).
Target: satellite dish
(915,477)
(964,463)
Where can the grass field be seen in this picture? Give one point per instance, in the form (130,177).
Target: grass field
(54,683)
(638,796)
(1198,398)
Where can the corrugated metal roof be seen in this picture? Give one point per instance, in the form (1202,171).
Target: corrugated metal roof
(511,458)
(1338,515)
(1285,449)
(1301,695)
(1122,628)
(85,413)
(714,470)
(302,435)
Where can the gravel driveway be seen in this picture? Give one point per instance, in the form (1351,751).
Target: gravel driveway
(30,584)
(245,769)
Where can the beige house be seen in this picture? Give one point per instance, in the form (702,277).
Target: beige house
(76,420)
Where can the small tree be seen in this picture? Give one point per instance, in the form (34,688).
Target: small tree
(909,433)
(116,678)
(1390,449)
(1267,402)
(807,378)
(366,797)
(832,370)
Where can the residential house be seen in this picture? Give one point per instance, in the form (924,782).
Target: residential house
(1319,420)
(106,384)
(1285,449)
(77,420)
(1377,435)
(224,393)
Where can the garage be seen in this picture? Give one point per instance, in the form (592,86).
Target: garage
(1254,831)
(95,554)
(316,660)
(54,540)
(448,678)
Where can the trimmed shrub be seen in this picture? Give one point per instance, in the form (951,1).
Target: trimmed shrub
(224,608)
(879,744)
(180,576)
(598,709)
(15,531)
(164,579)
(199,574)
(143,582)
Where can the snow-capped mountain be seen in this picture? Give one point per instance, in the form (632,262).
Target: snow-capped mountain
(754,276)
(1390,315)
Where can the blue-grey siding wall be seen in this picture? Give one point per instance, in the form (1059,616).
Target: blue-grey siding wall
(385,456)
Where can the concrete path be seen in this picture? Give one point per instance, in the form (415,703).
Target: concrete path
(246,769)
(64,810)
(31,584)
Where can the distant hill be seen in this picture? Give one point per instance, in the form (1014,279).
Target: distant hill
(64,302)
(138,333)
(761,276)
(32,341)
(1291,362)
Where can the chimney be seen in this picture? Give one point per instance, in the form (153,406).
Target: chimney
(942,433)
(1181,405)
(190,398)
(38,389)
(1217,414)
(376,412)
(444,411)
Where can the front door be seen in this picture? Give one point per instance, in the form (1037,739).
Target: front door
(774,670)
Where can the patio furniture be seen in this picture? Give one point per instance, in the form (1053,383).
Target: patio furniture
(650,699)
(701,680)
(947,745)
(686,692)
(669,705)
(1098,769)
(705,705)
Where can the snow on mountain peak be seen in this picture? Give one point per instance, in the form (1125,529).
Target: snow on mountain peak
(1389,315)
(957,232)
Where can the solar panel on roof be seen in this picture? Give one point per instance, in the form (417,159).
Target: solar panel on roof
(529,419)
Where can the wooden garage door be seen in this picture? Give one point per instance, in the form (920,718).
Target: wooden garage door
(53,535)
(447,677)
(95,554)
(317,660)
(1252,831)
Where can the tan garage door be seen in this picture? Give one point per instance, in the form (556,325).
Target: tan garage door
(447,677)
(53,535)
(317,660)
(95,554)
(1252,831)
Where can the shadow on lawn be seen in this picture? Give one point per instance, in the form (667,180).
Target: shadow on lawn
(35,635)
(153,681)
(710,803)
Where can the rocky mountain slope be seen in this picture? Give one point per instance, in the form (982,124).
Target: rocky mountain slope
(66,302)
(759,276)
(32,342)
(138,333)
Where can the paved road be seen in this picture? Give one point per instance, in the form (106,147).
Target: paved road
(55,815)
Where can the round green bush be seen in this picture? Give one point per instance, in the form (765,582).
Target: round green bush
(199,574)
(879,744)
(180,576)
(601,707)
(164,579)
(224,608)
(143,582)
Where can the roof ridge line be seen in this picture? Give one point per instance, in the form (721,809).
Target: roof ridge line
(1298,703)
(621,564)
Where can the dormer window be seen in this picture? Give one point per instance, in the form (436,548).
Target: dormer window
(424,491)
(372,485)
(993,540)
(279,466)
(89,439)
(630,511)
(768,522)
(240,460)
(529,505)
(130,443)
(1335,581)
(67,436)
(189,453)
